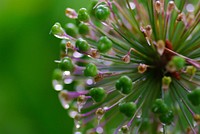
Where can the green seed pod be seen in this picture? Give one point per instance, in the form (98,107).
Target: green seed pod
(71,29)
(124,84)
(83,15)
(102,12)
(82,45)
(166,81)
(194,97)
(104,44)
(63,46)
(128,108)
(143,123)
(167,118)
(191,70)
(66,64)
(57,74)
(57,30)
(98,94)
(159,107)
(179,62)
(125,129)
(83,29)
(91,70)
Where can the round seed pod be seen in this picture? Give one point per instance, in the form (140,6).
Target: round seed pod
(179,62)
(194,97)
(102,12)
(83,15)
(98,94)
(71,29)
(66,64)
(124,84)
(82,45)
(104,44)
(159,107)
(83,29)
(125,129)
(128,108)
(167,117)
(57,74)
(57,29)
(91,70)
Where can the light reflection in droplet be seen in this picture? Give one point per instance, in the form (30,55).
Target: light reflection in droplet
(66,106)
(72,114)
(89,81)
(161,129)
(64,99)
(190,8)
(66,73)
(78,133)
(132,5)
(57,85)
(99,130)
(68,81)
(78,125)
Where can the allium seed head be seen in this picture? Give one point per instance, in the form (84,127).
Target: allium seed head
(129,67)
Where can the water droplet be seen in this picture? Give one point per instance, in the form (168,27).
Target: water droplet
(190,8)
(77,121)
(100,113)
(78,133)
(161,130)
(66,73)
(81,100)
(77,54)
(78,126)
(68,81)
(89,81)
(64,99)
(99,130)
(57,85)
(132,5)
(72,113)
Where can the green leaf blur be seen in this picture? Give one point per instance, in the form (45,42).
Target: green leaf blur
(28,103)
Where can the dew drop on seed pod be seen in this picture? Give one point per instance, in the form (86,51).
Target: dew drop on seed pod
(132,5)
(68,81)
(77,121)
(100,113)
(72,113)
(78,126)
(57,85)
(77,133)
(81,100)
(66,73)
(190,8)
(89,81)
(99,130)
(161,129)
(64,99)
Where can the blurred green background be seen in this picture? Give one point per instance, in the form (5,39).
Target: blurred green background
(28,103)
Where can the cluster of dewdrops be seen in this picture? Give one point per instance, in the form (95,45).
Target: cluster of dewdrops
(75,50)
